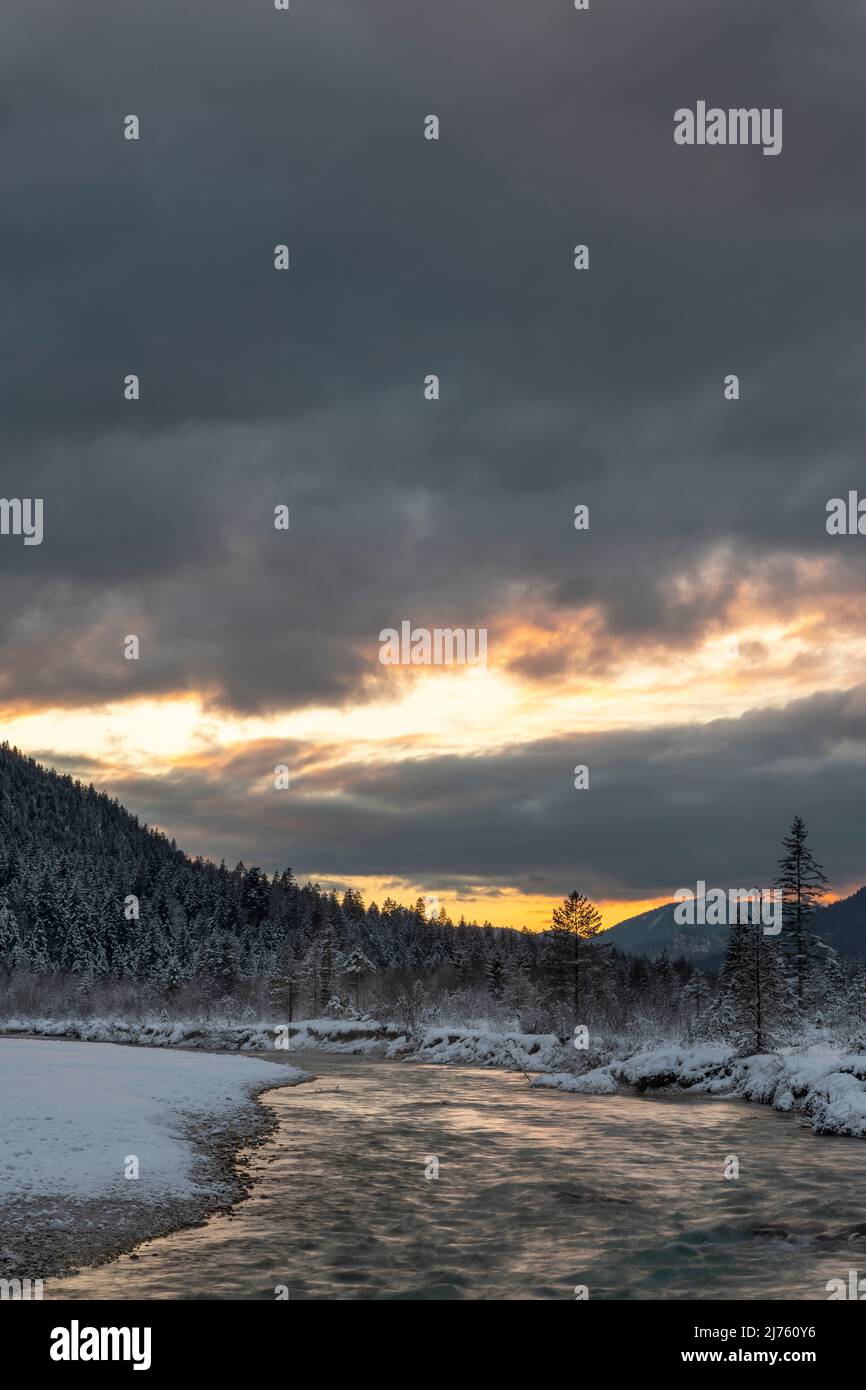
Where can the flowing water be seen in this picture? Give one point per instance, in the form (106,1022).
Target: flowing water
(538,1192)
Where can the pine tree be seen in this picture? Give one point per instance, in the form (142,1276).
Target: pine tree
(495,976)
(283,983)
(222,964)
(575,923)
(803,883)
(519,992)
(753,988)
(695,992)
(10,939)
(170,978)
(853,1006)
(357,966)
(311,968)
(326,963)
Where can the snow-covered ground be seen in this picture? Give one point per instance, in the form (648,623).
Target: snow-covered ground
(327,1034)
(78,1117)
(73,1113)
(479,1047)
(823,1082)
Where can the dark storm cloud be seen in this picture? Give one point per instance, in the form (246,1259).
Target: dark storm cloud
(411,257)
(664,807)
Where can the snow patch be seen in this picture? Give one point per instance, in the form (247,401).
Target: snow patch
(328,1034)
(476,1047)
(599,1082)
(74,1112)
(822,1082)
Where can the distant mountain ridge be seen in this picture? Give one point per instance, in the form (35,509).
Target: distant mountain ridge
(842,925)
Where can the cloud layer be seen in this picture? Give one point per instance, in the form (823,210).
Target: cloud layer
(557,388)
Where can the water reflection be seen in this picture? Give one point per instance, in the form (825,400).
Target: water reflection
(537,1192)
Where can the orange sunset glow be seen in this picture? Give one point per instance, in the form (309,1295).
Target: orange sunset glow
(406,715)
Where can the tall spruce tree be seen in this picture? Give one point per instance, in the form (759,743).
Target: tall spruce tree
(753,991)
(356,967)
(803,884)
(283,983)
(575,923)
(695,991)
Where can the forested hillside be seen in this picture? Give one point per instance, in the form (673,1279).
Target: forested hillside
(90,895)
(98,910)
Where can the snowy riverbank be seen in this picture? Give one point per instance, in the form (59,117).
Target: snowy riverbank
(327,1034)
(823,1081)
(102,1147)
(477,1047)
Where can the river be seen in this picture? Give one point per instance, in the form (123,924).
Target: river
(538,1193)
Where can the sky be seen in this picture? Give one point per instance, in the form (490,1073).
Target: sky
(700,647)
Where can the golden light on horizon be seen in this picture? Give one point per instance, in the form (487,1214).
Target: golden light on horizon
(428,711)
(423,712)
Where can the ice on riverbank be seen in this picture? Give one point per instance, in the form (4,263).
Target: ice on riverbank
(101,1146)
